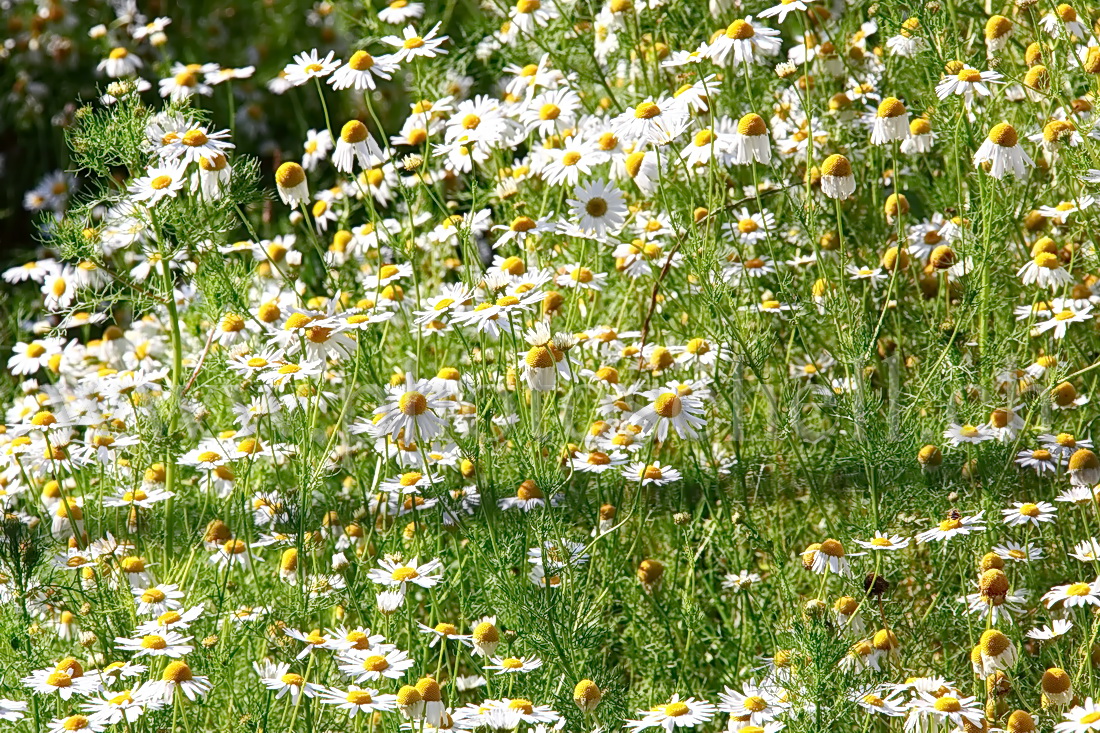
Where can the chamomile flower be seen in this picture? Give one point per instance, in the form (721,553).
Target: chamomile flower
(1001,150)
(357,700)
(361,71)
(410,45)
(514,665)
(1072,595)
(676,713)
(308,66)
(396,574)
(1021,513)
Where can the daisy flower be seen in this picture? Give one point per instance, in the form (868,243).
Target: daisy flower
(1028,513)
(676,713)
(1002,151)
(744,41)
(884,541)
(1044,269)
(158,599)
(754,705)
(1080,718)
(598,207)
(166,644)
(891,122)
(308,66)
(1063,319)
(961,434)
(1059,627)
(410,45)
(376,665)
(357,700)
(750,143)
(783,9)
(669,408)
(159,182)
(177,678)
(651,474)
(279,679)
(1072,595)
(651,122)
(409,412)
(397,575)
(951,708)
(361,70)
(954,525)
(355,144)
(514,665)
(968,83)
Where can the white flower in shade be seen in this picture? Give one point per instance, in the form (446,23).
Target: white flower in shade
(1087,550)
(1002,151)
(307,66)
(401,11)
(1064,20)
(1014,552)
(119,63)
(742,581)
(884,541)
(961,434)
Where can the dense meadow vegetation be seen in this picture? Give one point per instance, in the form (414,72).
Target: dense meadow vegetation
(550,365)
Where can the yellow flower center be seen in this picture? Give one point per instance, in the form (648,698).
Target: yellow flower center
(404,574)
(676,709)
